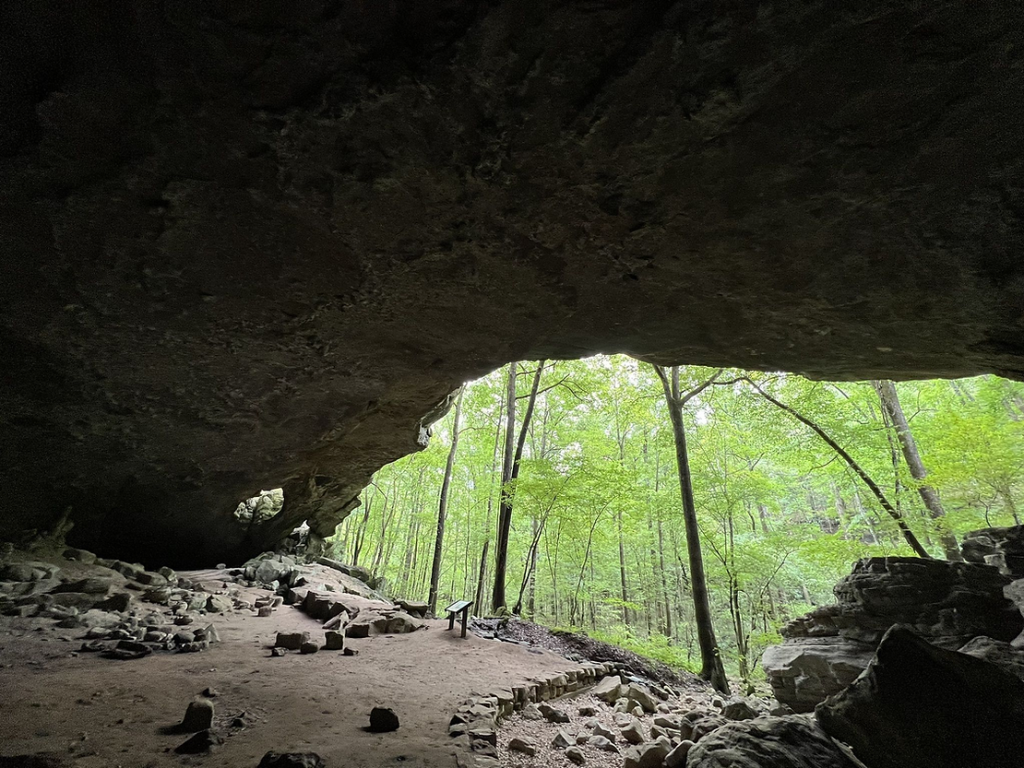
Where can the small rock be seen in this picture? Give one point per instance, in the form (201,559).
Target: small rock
(587,711)
(553,714)
(198,743)
(309,647)
(677,757)
(521,745)
(291,760)
(349,652)
(608,689)
(334,641)
(650,755)
(291,640)
(575,755)
(484,733)
(210,693)
(219,604)
(198,716)
(531,712)
(641,697)
(739,709)
(264,612)
(563,739)
(481,747)
(383,719)
(605,731)
(634,733)
(277,651)
(603,743)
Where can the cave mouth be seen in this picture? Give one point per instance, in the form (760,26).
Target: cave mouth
(810,473)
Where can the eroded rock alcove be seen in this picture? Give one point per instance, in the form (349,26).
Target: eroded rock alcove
(249,246)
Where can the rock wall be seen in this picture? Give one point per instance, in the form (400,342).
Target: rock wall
(250,245)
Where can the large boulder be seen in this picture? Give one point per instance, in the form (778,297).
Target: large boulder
(949,603)
(804,671)
(268,568)
(921,706)
(795,741)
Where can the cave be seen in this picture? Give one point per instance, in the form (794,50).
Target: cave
(258,245)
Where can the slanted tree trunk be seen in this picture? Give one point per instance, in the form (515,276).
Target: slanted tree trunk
(510,471)
(891,403)
(712,668)
(908,535)
(442,509)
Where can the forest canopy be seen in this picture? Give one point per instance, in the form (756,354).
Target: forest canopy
(596,538)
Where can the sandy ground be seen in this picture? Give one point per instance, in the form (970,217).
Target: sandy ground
(101,713)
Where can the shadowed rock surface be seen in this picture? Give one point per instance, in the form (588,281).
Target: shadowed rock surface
(252,245)
(921,706)
(948,603)
(1002,548)
(769,742)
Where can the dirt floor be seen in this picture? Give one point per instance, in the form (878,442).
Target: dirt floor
(102,713)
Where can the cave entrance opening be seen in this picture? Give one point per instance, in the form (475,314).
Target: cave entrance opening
(793,479)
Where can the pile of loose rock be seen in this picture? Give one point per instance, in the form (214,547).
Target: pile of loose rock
(333,593)
(127,611)
(620,721)
(612,726)
(474,725)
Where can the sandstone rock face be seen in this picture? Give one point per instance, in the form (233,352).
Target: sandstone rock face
(256,245)
(769,742)
(949,603)
(920,706)
(1014,592)
(999,547)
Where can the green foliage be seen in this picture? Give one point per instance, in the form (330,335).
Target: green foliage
(781,517)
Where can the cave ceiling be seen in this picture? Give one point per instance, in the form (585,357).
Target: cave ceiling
(247,245)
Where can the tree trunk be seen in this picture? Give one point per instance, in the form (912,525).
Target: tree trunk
(712,668)
(442,509)
(505,498)
(622,571)
(891,402)
(664,583)
(510,471)
(482,580)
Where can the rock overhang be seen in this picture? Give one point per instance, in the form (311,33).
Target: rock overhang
(252,246)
